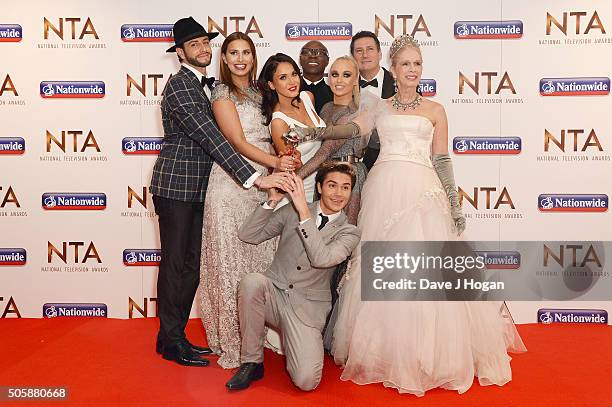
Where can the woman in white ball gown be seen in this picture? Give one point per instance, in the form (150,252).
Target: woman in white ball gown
(410,195)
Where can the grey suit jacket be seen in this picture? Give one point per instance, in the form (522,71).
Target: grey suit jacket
(305,258)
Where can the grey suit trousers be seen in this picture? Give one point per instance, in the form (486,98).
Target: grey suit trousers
(260,303)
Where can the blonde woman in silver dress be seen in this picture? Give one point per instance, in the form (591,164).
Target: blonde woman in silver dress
(343,80)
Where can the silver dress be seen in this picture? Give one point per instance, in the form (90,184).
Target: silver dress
(225,259)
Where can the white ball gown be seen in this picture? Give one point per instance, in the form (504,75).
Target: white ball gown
(414,346)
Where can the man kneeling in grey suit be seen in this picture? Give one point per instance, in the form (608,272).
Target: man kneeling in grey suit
(294,295)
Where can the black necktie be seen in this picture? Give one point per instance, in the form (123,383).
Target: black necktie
(210,81)
(324,220)
(363,83)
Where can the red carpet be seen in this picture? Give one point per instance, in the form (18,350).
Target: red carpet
(113,362)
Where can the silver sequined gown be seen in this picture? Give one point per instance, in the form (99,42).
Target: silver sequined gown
(225,259)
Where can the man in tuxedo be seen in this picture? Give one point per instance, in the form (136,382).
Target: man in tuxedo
(293,295)
(178,185)
(365,48)
(314,58)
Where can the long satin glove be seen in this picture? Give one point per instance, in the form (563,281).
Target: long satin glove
(444,168)
(340,131)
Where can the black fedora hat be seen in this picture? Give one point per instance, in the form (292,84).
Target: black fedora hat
(187,29)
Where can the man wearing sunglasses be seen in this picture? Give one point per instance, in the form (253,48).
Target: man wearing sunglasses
(314,58)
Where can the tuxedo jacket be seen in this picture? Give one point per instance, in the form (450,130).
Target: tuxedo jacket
(306,257)
(192,141)
(371,154)
(388,88)
(322,94)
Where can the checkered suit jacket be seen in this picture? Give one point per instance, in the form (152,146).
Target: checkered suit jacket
(192,141)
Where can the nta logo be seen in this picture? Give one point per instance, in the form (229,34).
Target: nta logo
(563,25)
(90,253)
(88,28)
(505,83)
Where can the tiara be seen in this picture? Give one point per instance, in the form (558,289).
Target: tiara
(401,42)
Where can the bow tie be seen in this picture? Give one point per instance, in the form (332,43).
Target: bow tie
(363,83)
(208,81)
(324,220)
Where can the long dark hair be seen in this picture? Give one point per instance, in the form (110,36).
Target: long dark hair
(269,96)
(225,73)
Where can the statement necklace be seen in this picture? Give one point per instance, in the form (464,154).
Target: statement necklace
(410,105)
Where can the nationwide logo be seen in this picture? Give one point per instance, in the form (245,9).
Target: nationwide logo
(53,310)
(467,30)
(141,145)
(500,260)
(574,86)
(12,145)
(10,33)
(573,203)
(428,87)
(141,257)
(318,31)
(58,201)
(576,316)
(13,257)
(56,90)
(147,33)
(487,145)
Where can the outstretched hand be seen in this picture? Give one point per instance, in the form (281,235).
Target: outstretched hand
(299,135)
(281,180)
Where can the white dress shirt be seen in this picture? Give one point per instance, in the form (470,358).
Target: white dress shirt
(198,75)
(313,83)
(331,217)
(380,77)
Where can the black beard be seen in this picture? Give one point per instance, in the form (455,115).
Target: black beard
(195,62)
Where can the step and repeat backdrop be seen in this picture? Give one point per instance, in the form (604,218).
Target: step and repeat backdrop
(526,86)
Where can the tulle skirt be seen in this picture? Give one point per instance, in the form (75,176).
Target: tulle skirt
(416,346)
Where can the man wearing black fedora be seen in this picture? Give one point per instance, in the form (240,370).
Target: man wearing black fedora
(192,141)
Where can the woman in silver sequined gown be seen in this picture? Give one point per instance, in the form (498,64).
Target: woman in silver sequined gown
(225,259)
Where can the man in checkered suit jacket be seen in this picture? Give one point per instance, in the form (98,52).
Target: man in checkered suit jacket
(192,141)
